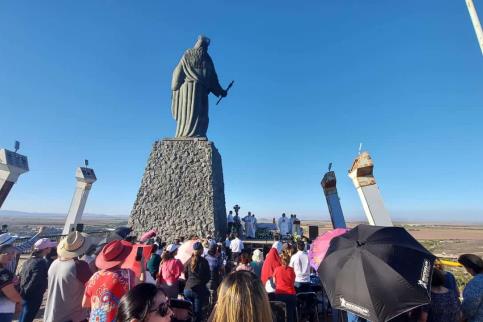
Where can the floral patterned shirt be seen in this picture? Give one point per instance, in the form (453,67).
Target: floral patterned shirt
(104,291)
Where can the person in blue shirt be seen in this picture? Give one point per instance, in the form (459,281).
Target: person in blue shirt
(472,306)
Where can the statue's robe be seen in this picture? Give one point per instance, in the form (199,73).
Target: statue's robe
(193,80)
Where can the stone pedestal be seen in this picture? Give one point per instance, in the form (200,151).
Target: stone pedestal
(182,191)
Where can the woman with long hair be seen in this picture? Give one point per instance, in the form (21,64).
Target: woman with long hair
(170,270)
(197,274)
(444,305)
(144,302)
(242,298)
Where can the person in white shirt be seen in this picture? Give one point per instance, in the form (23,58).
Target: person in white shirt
(229,220)
(236,247)
(296,229)
(247,223)
(283,225)
(300,264)
(290,225)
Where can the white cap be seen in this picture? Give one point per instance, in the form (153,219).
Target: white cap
(171,248)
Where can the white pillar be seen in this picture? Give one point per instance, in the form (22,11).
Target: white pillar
(12,165)
(328,184)
(363,179)
(476,22)
(85,178)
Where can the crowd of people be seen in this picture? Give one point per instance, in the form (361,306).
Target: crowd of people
(117,280)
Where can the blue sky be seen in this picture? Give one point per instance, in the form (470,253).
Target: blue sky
(91,79)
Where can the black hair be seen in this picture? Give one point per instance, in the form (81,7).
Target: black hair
(154,248)
(472,261)
(52,253)
(37,253)
(438,278)
(245,258)
(166,256)
(3,248)
(300,245)
(137,303)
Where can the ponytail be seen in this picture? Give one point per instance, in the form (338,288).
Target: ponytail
(195,257)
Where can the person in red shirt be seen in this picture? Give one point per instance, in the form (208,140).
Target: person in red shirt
(106,287)
(284,279)
(272,261)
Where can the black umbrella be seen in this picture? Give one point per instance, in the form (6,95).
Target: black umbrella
(377,272)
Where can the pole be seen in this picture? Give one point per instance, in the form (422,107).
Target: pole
(329,185)
(363,179)
(85,178)
(476,22)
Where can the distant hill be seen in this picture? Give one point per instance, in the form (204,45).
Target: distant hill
(22,214)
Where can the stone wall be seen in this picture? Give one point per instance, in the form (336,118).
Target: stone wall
(182,191)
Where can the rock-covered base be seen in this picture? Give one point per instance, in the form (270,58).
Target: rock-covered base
(182,191)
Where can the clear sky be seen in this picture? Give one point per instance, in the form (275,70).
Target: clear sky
(91,79)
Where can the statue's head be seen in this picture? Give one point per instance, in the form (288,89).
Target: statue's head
(202,42)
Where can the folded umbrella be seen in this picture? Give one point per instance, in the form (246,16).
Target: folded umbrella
(377,272)
(147,235)
(321,244)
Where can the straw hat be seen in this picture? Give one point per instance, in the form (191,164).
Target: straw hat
(113,254)
(74,245)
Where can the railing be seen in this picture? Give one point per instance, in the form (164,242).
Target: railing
(58,237)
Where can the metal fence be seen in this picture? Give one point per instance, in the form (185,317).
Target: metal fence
(98,234)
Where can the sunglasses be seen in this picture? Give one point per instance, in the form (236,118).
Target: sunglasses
(162,309)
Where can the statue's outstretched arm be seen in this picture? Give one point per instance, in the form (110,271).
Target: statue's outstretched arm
(215,86)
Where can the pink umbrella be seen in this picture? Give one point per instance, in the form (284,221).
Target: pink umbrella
(321,244)
(185,251)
